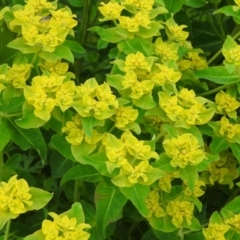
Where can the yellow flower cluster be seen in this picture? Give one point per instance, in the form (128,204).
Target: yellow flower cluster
(197,192)
(153,206)
(64,228)
(184,150)
(15,196)
(48,91)
(95,100)
(164,182)
(192,61)
(223,171)
(185,108)
(132,157)
(181,212)
(41,25)
(124,117)
(234,223)
(215,231)
(76,135)
(226,104)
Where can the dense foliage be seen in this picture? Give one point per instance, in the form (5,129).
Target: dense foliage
(119,120)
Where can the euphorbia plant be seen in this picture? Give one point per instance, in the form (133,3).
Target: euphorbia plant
(147,146)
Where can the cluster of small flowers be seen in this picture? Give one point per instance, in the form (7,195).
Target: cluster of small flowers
(15,197)
(64,228)
(41,25)
(132,157)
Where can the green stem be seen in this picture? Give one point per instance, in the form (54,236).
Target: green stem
(220,51)
(8,115)
(83,35)
(7,230)
(77,190)
(1,164)
(160,135)
(216,90)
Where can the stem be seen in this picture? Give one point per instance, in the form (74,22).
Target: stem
(83,35)
(216,89)
(6,115)
(7,230)
(77,190)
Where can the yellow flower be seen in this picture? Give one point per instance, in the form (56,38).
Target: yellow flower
(215,231)
(64,95)
(40,4)
(227,104)
(180,211)
(164,182)
(15,196)
(135,61)
(110,10)
(166,75)
(145,5)
(125,116)
(130,24)
(232,55)
(166,51)
(228,129)
(184,150)
(153,207)
(141,88)
(197,192)
(234,223)
(130,79)
(187,97)
(142,19)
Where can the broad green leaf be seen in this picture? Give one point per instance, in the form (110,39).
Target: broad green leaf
(39,198)
(228,11)
(145,102)
(137,194)
(152,31)
(74,46)
(218,75)
(176,191)
(234,205)
(101,44)
(195,236)
(194,3)
(38,235)
(189,174)
(109,203)
(5,136)
(235,147)
(216,218)
(204,164)
(218,144)
(27,138)
(59,165)
(173,6)
(4,217)
(29,120)
(60,144)
(163,224)
(164,163)
(89,123)
(172,132)
(76,211)
(13,105)
(84,172)
(108,35)
(20,44)
(76,3)
(166,236)
(136,45)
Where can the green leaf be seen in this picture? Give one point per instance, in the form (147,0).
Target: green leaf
(13,105)
(89,123)
(195,236)
(75,211)
(136,45)
(39,198)
(5,136)
(189,174)
(101,44)
(29,120)
(145,102)
(194,3)
(166,236)
(59,165)
(137,194)
(218,75)
(60,144)
(235,147)
(234,205)
(4,217)
(228,11)
(109,203)
(38,235)
(204,164)
(108,35)
(84,172)
(173,6)
(27,138)
(163,224)
(76,3)
(20,44)
(164,163)
(218,144)
(152,31)
(74,46)
(216,218)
